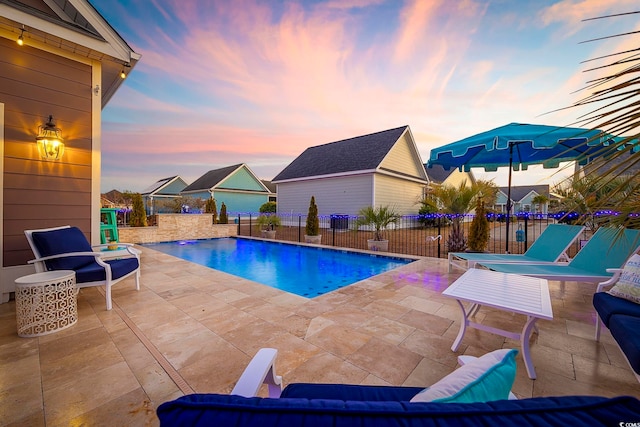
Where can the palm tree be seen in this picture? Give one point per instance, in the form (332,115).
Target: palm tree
(586,196)
(379,219)
(614,100)
(456,202)
(540,200)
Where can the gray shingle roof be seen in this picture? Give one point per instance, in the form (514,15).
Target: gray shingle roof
(519,192)
(437,173)
(364,152)
(156,185)
(211,178)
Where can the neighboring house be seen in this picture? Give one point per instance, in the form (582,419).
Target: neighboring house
(161,191)
(273,197)
(522,199)
(68,67)
(439,175)
(236,186)
(382,168)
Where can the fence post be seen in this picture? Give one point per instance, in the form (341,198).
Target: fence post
(333,233)
(238,224)
(526,230)
(439,234)
(250,225)
(299,228)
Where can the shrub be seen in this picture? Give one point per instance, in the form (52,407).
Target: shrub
(313,223)
(224,217)
(269,207)
(479,230)
(138,216)
(210,207)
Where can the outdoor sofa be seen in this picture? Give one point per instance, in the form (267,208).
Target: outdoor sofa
(619,310)
(379,406)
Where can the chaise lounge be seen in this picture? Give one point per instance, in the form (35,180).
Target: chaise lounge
(608,248)
(550,247)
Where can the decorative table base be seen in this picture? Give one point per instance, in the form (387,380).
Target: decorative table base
(46,302)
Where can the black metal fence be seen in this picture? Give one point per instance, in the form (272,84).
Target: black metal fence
(422,235)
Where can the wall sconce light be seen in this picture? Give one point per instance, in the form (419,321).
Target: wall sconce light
(96,90)
(49,141)
(20,40)
(123,75)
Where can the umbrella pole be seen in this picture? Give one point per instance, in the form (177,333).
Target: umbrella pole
(509,194)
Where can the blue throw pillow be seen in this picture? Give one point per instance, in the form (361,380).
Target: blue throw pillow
(484,379)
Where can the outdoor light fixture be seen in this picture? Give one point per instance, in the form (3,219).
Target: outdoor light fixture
(123,75)
(20,40)
(49,141)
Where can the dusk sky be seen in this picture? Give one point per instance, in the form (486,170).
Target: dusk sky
(257,82)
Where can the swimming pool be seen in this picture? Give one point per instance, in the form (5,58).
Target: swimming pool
(301,270)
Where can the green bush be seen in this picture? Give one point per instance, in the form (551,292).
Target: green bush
(269,207)
(479,230)
(210,207)
(312,227)
(138,216)
(224,217)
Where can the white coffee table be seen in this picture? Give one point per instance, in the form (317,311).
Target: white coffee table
(503,291)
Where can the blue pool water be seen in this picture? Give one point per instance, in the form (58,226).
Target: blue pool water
(301,270)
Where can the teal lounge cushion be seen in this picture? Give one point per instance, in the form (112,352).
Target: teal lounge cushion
(484,379)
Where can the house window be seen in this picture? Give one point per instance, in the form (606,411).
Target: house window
(526,208)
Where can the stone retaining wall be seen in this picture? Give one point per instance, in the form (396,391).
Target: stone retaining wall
(177,227)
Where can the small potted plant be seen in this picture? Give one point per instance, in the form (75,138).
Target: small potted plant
(479,229)
(268,222)
(312,228)
(379,219)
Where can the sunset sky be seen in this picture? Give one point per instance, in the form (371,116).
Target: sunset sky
(257,82)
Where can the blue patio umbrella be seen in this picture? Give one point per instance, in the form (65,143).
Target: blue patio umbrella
(518,145)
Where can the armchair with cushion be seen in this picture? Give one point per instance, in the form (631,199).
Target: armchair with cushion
(475,395)
(67,248)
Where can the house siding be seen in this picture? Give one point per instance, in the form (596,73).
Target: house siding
(37,193)
(241,180)
(401,158)
(240,202)
(344,194)
(404,196)
(174,188)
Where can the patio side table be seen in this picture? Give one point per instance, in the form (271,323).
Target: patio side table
(46,302)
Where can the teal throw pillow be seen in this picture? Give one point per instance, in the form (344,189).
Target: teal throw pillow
(489,377)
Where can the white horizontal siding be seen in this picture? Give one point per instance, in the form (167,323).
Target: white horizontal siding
(403,195)
(344,195)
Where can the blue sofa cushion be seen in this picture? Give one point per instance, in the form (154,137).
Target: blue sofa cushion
(349,392)
(94,272)
(626,331)
(606,305)
(229,411)
(64,240)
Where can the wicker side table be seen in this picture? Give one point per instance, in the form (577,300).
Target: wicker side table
(46,302)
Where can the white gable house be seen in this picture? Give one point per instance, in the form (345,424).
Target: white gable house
(378,169)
